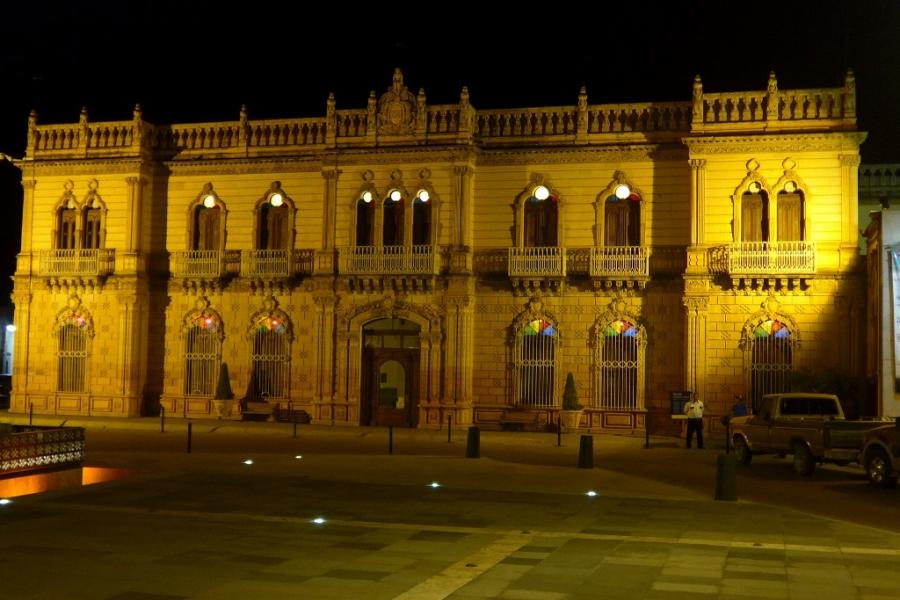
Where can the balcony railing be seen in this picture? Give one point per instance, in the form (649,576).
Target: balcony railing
(266,263)
(620,261)
(389,260)
(81,262)
(547,261)
(203,264)
(770,258)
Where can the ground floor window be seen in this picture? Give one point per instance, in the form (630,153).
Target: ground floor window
(771,361)
(535,364)
(202,355)
(618,366)
(270,359)
(71,357)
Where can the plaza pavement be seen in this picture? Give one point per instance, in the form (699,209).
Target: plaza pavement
(209,526)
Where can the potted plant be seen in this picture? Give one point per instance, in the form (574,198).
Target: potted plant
(224,396)
(571,408)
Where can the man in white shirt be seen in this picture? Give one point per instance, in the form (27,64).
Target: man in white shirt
(694,412)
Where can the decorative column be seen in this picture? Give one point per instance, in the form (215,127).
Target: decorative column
(20,370)
(695,340)
(461,234)
(324,328)
(698,200)
(131,356)
(849,195)
(23,263)
(325,256)
(353,350)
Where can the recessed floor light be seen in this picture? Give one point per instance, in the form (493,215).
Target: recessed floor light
(248,461)
(5,501)
(319,521)
(434,484)
(299,456)
(590,493)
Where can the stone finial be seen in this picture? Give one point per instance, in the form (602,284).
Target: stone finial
(464,95)
(582,96)
(243,113)
(32,118)
(698,86)
(849,95)
(83,117)
(772,86)
(398,79)
(697,103)
(138,112)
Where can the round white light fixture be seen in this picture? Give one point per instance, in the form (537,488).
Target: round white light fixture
(396,195)
(276,199)
(541,192)
(367,197)
(424,196)
(248,461)
(622,191)
(10,328)
(754,187)
(790,187)
(209,201)
(319,521)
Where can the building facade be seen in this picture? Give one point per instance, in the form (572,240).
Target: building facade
(408,263)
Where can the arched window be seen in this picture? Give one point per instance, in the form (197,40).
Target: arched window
(535,364)
(365,220)
(622,218)
(66,227)
(541,219)
(273,227)
(71,354)
(619,364)
(91,228)
(755,215)
(771,359)
(270,358)
(206,227)
(202,355)
(421,225)
(392,226)
(791,214)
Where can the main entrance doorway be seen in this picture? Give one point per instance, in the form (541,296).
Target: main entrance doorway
(390,373)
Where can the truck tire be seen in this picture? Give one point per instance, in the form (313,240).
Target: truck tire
(742,451)
(878,469)
(804,463)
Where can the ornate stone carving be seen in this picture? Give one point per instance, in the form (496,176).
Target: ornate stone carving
(397,109)
(696,303)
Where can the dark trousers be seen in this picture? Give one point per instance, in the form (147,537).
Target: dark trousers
(695,426)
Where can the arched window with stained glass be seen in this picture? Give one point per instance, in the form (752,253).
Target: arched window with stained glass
(203,334)
(771,359)
(270,336)
(73,333)
(535,363)
(619,345)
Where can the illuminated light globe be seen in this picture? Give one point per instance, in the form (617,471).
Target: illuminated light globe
(396,195)
(424,196)
(434,485)
(248,461)
(276,200)
(367,197)
(790,187)
(590,493)
(319,521)
(622,191)
(10,328)
(541,192)
(209,201)
(754,187)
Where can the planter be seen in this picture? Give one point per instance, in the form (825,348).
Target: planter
(222,408)
(571,419)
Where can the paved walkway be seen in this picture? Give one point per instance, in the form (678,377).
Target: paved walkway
(209,526)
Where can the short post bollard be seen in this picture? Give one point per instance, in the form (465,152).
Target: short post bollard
(473,443)
(190,427)
(646,431)
(726,421)
(162,419)
(449,424)
(558,431)
(726,477)
(294,418)
(586,452)
(390,439)
(30,412)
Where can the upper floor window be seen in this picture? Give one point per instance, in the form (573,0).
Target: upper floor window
(91,228)
(421,230)
(622,217)
(394,213)
(274,220)
(66,228)
(541,218)
(365,220)
(207,230)
(791,213)
(755,214)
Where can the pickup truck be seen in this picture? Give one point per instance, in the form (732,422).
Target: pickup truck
(881,455)
(809,426)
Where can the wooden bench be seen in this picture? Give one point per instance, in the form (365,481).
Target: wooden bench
(521,420)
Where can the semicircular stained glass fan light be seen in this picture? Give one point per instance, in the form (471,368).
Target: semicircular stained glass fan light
(73,318)
(773,328)
(269,323)
(208,322)
(620,327)
(539,327)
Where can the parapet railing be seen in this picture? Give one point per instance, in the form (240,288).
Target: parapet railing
(32,448)
(765,258)
(83,262)
(545,261)
(620,261)
(388,260)
(198,263)
(276,263)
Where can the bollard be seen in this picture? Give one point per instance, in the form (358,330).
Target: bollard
(190,426)
(295,427)
(473,443)
(30,412)
(291,410)
(726,478)
(162,419)
(558,431)
(449,424)
(726,421)
(390,439)
(647,431)
(586,452)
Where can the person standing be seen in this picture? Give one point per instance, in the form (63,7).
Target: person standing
(694,412)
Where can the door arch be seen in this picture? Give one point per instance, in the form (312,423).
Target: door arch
(389,386)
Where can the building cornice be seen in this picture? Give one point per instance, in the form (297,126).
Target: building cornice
(795,142)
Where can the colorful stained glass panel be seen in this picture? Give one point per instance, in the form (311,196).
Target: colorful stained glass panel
(621,327)
(772,327)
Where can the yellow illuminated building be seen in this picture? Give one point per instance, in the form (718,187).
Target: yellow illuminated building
(407,263)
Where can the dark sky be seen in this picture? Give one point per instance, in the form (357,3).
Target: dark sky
(200,61)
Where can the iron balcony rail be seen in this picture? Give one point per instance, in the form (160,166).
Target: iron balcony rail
(28,448)
(774,258)
(97,262)
(620,261)
(545,261)
(389,260)
(198,263)
(266,263)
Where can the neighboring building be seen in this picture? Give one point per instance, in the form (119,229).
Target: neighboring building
(879,187)
(407,263)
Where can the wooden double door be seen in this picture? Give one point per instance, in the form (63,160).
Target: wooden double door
(390,387)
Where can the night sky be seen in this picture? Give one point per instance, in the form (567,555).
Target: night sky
(194,61)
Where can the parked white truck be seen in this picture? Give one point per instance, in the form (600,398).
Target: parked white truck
(809,426)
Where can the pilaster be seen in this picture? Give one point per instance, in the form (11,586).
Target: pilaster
(696,311)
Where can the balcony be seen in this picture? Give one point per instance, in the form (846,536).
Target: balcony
(77,266)
(765,264)
(202,269)
(539,267)
(399,266)
(620,266)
